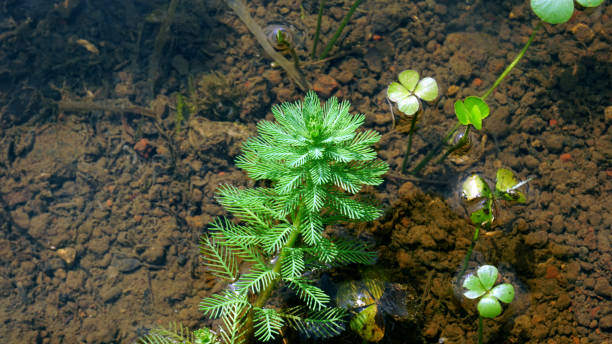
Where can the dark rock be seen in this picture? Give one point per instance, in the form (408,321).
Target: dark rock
(537,239)
(603,287)
(154,254)
(110,294)
(126,265)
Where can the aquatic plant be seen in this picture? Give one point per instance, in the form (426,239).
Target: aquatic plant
(315,159)
(558,11)
(407,95)
(482,285)
(373,299)
(480,202)
(472,110)
(281,38)
(176,333)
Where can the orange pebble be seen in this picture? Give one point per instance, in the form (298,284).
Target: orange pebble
(377,37)
(477,82)
(221,173)
(565,157)
(109,202)
(553,122)
(551,272)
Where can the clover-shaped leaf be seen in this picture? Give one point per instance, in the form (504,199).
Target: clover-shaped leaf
(473,286)
(487,274)
(589,3)
(481,285)
(504,292)
(410,89)
(489,307)
(472,111)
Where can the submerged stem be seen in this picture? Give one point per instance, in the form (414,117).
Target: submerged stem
(480,325)
(432,153)
(513,63)
(468,255)
(345,21)
(318,30)
(409,146)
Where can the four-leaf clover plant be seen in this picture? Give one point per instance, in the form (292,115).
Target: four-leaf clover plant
(410,90)
(482,285)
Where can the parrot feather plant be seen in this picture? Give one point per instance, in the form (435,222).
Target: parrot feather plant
(315,158)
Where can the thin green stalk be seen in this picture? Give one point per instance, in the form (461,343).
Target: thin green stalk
(432,153)
(318,30)
(345,21)
(480,324)
(513,63)
(468,255)
(409,147)
(462,142)
(262,298)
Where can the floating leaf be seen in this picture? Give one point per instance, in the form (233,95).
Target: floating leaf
(504,292)
(409,90)
(487,274)
(427,89)
(489,307)
(589,3)
(553,11)
(406,102)
(475,288)
(409,79)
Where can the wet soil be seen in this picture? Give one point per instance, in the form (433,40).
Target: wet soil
(104,189)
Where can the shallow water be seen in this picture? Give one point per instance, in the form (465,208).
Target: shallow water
(105,189)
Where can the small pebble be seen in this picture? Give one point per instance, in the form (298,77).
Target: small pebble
(565,157)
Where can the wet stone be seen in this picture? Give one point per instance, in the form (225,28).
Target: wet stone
(606,322)
(563,302)
(154,254)
(558,224)
(603,287)
(67,254)
(21,219)
(554,143)
(325,85)
(537,239)
(126,265)
(110,294)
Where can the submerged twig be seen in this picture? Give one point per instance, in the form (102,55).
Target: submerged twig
(160,42)
(241,10)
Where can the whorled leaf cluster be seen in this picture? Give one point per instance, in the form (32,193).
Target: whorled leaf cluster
(315,158)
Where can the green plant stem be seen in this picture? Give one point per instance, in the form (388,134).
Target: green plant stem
(480,325)
(462,142)
(318,30)
(345,21)
(409,146)
(513,63)
(432,153)
(262,298)
(468,255)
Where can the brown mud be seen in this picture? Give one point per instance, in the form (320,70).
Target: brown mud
(102,204)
